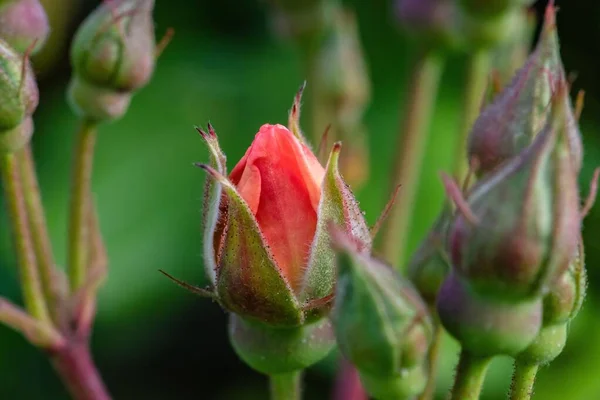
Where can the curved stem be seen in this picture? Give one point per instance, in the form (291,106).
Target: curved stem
(35,301)
(477,79)
(470,375)
(522,381)
(76,368)
(411,149)
(286,386)
(51,282)
(78,254)
(433,359)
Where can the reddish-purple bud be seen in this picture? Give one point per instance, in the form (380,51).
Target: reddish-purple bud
(23,23)
(519,112)
(527,218)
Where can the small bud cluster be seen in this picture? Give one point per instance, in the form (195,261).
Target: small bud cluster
(113,55)
(516,273)
(19,99)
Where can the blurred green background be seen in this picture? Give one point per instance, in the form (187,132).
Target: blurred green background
(153,340)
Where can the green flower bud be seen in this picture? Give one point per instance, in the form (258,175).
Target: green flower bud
(430,264)
(566,296)
(494,31)
(304,21)
(23,22)
(381,324)
(113,55)
(518,114)
(487,326)
(525,219)
(18,99)
(279,350)
(437,23)
(560,306)
(491,8)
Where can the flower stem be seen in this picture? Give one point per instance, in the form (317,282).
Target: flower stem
(78,254)
(478,73)
(522,381)
(75,366)
(348,385)
(286,386)
(470,375)
(433,359)
(35,301)
(39,231)
(411,149)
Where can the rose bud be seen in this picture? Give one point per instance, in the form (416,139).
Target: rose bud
(487,325)
(267,247)
(525,219)
(381,324)
(342,84)
(113,55)
(510,123)
(437,23)
(430,264)
(560,306)
(23,23)
(18,99)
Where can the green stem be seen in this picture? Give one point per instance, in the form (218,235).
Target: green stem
(39,231)
(410,151)
(522,381)
(477,81)
(35,302)
(470,375)
(78,254)
(286,386)
(433,359)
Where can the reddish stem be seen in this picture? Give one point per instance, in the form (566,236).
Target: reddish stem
(348,386)
(75,366)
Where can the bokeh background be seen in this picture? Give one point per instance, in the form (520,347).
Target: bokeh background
(153,340)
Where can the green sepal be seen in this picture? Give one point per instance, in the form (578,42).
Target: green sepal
(280,350)
(212,202)
(377,315)
(339,207)
(548,345)
(404,385)
(249,282)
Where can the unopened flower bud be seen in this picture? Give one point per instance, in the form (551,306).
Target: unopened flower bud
(487,325)
(435,22)
(23,23)
(515,117)
(560,306)
(430,264)
(18,99)
(342,85)
(525,220)
(267,245)
(381,324)
(113,55)
(303,20)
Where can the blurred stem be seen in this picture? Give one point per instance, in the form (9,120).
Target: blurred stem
(33,294)
(470,375)
(286,386)
(479,66)
(522,381)
(75,366)
(408,159)
(433,359)
(78,255)
(348,385)
(39,230)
